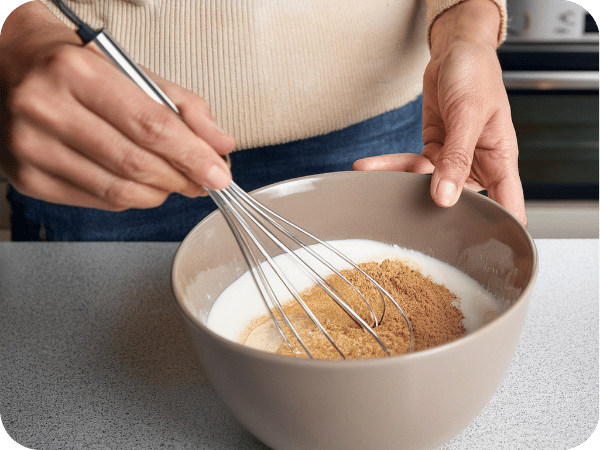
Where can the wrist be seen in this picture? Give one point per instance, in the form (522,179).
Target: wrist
(475,21)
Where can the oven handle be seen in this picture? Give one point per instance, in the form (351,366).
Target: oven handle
(550,80)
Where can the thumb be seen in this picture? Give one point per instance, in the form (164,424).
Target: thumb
(453,162)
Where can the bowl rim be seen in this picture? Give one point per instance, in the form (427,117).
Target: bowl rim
(521,301)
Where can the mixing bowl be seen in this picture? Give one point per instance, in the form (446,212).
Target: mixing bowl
(413,401)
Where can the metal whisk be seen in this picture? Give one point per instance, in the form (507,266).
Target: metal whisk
(256,228)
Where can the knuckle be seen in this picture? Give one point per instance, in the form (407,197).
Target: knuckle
(67,61)
(23,179)
(32,101)
(153,126)
(190,161)
(25,99)
(49,73)
(133,163)
(193,190)
(23,141)
(18,99)
(120,194)
(458,160)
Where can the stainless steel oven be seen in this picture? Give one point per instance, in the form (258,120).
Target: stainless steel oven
(550,69)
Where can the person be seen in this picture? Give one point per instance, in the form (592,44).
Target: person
(301,87)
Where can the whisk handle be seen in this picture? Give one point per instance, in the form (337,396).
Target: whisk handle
(123,61)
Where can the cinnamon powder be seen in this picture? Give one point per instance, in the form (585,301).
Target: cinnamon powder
(430,307)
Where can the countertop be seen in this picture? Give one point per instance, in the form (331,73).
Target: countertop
(93,355)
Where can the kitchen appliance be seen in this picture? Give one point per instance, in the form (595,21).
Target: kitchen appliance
(550,70)
(542,21)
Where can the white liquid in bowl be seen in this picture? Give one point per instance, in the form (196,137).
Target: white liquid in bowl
(241,303)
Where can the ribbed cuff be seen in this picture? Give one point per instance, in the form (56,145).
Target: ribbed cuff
(436,8)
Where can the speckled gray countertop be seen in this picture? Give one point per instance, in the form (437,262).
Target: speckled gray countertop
(93,355)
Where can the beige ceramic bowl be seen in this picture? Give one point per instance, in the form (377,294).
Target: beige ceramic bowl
(413,401)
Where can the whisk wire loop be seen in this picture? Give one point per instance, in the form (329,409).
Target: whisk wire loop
(226,204)
(238,208)
(267,212)
(258,275)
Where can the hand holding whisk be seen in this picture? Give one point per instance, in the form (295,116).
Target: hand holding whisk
(262,235)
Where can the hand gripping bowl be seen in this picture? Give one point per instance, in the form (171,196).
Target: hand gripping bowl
(413,401)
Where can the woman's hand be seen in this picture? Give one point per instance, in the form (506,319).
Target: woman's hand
(468,136)
(77,131)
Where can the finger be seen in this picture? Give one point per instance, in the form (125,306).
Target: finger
(43,157)
(509,193)
(433,127)
(401,162)
(454,159)
(196,114)
(432,150)
(148,124)
(81,130)
(43,186)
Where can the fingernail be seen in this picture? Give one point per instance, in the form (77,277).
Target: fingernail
(218,177)
(446,193)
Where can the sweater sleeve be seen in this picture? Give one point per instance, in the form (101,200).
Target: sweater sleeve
(435,8)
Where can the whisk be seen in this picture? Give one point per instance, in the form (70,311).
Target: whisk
(261,233)
(256,228)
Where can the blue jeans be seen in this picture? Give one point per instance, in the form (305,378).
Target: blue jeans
(394,132)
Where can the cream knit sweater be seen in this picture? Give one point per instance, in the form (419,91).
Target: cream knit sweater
(277,71)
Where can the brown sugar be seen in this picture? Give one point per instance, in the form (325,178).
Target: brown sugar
(430,307)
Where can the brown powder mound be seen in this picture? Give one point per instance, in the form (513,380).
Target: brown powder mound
(429,306)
